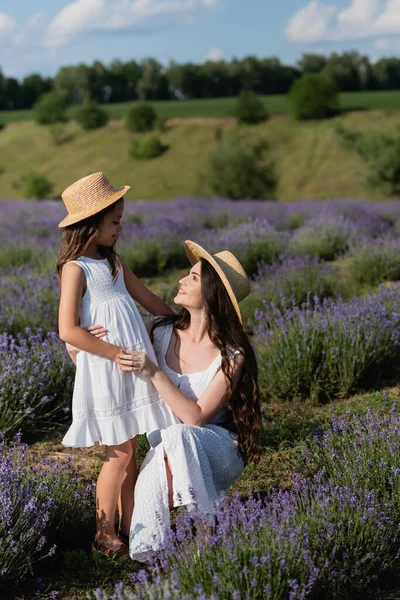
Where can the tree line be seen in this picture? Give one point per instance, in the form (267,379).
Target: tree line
(150,80)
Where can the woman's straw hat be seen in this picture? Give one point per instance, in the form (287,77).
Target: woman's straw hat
(88,196)
(231,272)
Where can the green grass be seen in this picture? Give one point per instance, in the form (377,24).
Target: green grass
(309,160)
(223,107)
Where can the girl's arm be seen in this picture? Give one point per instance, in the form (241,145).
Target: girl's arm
(192,413)
(98,330)
(139,292)
(72,286)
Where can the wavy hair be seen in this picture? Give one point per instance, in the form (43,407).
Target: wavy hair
(76,239)
(226,333)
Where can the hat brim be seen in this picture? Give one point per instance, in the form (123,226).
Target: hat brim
(71,219)
(194,252)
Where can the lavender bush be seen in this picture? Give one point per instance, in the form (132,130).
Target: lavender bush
(377,262)
(28,301)
(36,503)
(323,238)
(330,536)
(36,378)
(328,349)
(294,281)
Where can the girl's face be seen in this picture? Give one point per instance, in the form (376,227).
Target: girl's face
(189,294)
(110,228)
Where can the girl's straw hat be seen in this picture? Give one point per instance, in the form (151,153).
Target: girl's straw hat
(88,196)
(229,269)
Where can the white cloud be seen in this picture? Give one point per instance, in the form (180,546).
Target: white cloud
(215,54)
(310,23)
(112,15)
(319,22)
(7,25)
(387,45)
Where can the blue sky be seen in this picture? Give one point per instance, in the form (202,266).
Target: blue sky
(42,36)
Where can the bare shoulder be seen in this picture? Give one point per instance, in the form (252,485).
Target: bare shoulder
(71,269)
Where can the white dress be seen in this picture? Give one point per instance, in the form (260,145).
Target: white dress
(204,462)
(111,406)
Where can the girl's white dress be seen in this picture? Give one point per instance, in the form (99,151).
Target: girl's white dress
(204,461)
(111,406)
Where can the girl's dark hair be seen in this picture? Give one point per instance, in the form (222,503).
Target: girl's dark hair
(226,332)
(75,240)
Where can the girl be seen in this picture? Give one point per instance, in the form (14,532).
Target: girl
(108,406)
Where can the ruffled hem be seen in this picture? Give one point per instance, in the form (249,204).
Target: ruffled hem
(118,429)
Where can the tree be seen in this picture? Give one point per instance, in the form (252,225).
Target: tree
(90,116)
(33,86)
(76,83)
(142,117)
(386,73)
(314,96)
(236,172)
(153,84)
(312,63)
(249,108)
(51,108)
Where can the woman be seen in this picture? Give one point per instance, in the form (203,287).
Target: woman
(207,374)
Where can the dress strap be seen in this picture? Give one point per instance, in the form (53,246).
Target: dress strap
(161,339)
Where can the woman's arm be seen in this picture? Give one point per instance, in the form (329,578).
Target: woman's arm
(192,413)
(72,285)
(139,292)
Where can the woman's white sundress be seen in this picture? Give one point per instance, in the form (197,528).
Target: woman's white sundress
(203,460)
(111,406)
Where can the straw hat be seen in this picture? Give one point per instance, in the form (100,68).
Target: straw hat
(88,196)
(229,269)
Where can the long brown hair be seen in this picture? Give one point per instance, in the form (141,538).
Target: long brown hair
(226,333)
(76,239)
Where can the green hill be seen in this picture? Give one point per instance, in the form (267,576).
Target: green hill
(307,156)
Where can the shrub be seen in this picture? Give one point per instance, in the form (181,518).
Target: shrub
(314,96)
(323,238)
(36,382)
(249,108)
(141,117)
(37,503)
(57,133)
(146,148)
(295,281)
(381,152)
(251,243)
(145,258)
(162,124)
(375,263)
(328,350)
(236,172)
(37,186)
(27,301)
(50,108)
(91,116)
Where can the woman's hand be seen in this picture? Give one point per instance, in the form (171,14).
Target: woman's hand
(138,362)
(97,330)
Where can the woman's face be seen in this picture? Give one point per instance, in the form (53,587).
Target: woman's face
(111,227)
(189,294)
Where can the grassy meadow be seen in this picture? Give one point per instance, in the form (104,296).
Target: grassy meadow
(309,161)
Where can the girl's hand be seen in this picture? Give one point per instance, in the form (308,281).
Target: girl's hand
(138,362)
(97,330)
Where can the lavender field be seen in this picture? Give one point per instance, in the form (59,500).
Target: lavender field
(319,516)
